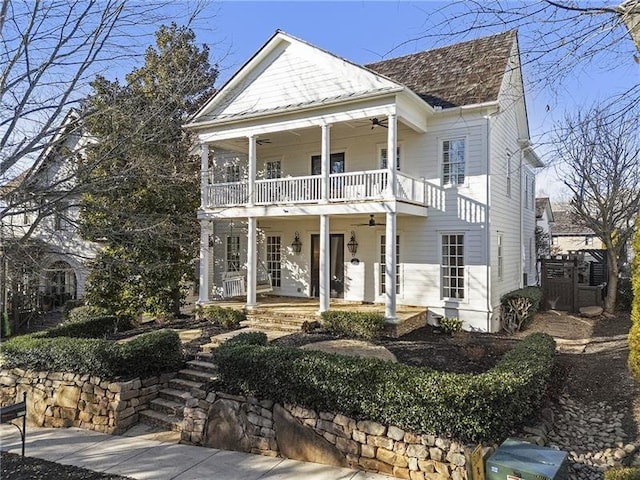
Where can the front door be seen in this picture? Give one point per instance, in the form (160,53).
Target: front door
(336,268)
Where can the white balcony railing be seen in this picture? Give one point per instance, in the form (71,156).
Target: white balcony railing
(369,185)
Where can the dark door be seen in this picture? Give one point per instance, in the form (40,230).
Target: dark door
(336,269)
(336,162)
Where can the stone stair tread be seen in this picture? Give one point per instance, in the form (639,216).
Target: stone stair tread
(260,325)
(206,376)
(171,422)
(204,356)
(187,384)
(175,393)
(164,403)
(202,365)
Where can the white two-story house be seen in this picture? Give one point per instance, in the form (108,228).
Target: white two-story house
(40,220)
(301,196)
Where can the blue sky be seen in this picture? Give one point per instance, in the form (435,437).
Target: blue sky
(367,31)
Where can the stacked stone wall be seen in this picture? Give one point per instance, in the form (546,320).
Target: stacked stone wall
(248,424)
(56,399)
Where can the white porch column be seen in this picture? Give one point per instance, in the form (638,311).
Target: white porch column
(252,264)
(205,232)
(325,258)
(326,161)
(390,269)
(392,155)
(204,174)
(252,170)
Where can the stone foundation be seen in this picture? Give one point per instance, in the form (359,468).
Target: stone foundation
(250,425)
(56,399)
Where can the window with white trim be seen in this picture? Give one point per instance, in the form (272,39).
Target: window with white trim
(233,254)
(383,157)
(272,169)
(452,267)
(509,175)
(383,259)
(274,259)
(232,173)
(500,257)
(453,161)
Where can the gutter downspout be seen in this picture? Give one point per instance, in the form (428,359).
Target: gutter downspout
(487,224)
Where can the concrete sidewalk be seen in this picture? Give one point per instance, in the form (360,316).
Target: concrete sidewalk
(149,459)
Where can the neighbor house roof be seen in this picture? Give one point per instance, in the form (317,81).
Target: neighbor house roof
(461,74)
(542,204)
(565,223)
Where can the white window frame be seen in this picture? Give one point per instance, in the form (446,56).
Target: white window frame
(269,170)
(232,253)
(382,162)
(464,276)
(500,244)
(232,173)
(509,175)
(381,270)
(274,259)
(465,161)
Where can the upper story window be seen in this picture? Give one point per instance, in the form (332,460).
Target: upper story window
(383,157)
(588,240)
(61,219)
(336,164)
(273,169)
(527,201)
(508,174)
(453,161)
(232,173)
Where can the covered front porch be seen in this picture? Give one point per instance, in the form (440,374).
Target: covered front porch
(276,309)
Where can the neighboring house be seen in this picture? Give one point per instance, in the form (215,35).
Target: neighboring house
(299,188)
(54,257)
(544,223)
(567,235)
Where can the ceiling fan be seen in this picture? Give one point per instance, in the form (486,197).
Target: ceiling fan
(371,223)
(263,141)
(376,122)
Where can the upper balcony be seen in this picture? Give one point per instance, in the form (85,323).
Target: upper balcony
(364,186)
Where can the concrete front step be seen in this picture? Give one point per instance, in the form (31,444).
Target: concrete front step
(167,406)
(269,326)
(162,420)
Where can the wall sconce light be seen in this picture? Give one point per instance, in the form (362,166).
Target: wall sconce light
(353,244)
(296,245)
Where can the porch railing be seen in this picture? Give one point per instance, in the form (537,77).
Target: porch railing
(368,185)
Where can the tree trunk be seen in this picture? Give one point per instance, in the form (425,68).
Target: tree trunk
(175,294)
(612,282)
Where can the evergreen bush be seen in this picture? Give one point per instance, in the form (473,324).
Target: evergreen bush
(634,333)
(93,327)
(518,307)
(83,313)
(224,317)
(468,407)
(365,325)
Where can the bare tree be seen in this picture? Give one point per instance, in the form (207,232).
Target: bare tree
(558,37)
(600,160)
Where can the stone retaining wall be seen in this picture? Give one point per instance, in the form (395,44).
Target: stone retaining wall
(230,422)
(56,399)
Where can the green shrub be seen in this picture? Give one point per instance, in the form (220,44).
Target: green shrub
(249,338)
(366,325)
(70,305)
(518,307)
(450,325)
(224,317)
(634,333)
(622,473)
(95,327)
(86,312)
(149,354)
(469,407)
(624,298)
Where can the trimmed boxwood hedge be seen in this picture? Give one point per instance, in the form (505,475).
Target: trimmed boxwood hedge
(468,407)
(146,355)
(225,317)
(366,325)
(94,327)
(82,313)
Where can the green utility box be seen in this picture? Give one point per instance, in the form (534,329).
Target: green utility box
(519,460)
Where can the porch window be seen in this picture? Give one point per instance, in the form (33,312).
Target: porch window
(274,266)
(453,161)
(382,155)
(383,276)
(232,173)
(336,163)
(273,169)
(233,254)
(500,257)
(452,268)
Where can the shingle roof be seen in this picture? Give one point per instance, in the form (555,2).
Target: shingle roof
(566,224)
(541,205)
(461,74)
